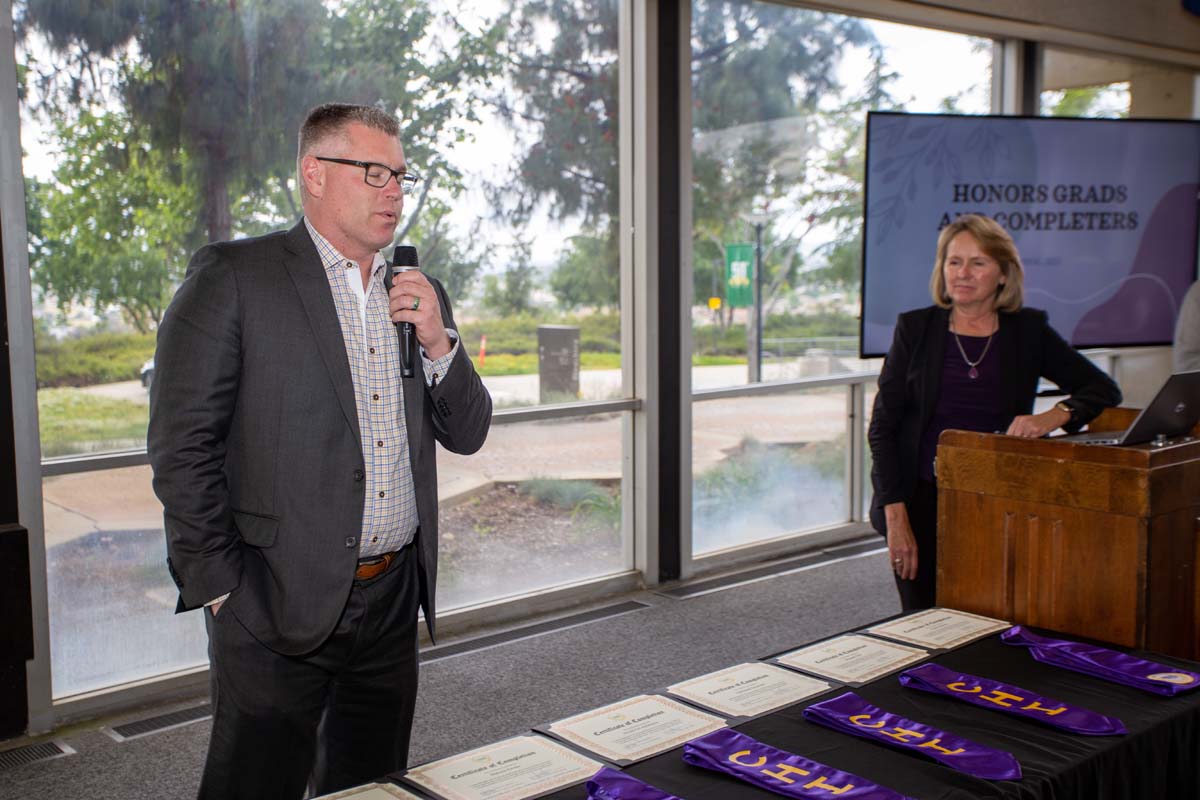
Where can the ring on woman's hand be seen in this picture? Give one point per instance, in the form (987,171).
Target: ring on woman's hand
(416,303)
(897,561)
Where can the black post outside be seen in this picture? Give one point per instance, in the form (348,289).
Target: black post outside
(758,302)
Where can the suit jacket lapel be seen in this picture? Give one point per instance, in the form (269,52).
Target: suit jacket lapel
(1008,339)
(308,275)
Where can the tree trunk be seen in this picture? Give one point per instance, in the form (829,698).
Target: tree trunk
(218,219)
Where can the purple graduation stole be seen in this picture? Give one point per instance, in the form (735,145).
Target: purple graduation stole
(1010,699)
(778,771)
(850,714)
(1100,662)
(611,784)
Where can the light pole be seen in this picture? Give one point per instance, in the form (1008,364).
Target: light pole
(759,221)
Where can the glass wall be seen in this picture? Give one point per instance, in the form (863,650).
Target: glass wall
(779,111)
(150,133)
(1081,84)
(538,506)
(767,465)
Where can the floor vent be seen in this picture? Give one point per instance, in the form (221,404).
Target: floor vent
(163,722)
(33,753)
(529,631)
(864,547)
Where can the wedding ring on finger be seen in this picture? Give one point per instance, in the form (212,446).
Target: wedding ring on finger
(416,303)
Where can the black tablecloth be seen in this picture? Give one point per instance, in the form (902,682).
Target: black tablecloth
(1158,758)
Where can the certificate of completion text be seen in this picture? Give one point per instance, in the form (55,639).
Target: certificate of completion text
(939,628)
(748,690)
(852,658)
(636,728)
(524,766)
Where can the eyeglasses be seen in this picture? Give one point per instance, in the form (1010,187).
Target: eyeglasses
(378,175)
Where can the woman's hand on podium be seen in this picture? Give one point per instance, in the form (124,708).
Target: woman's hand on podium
(902,545)
(1033,426)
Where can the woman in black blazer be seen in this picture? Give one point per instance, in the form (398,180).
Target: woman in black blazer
(970,362)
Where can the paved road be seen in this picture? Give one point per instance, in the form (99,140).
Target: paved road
(581,448)
(596,384)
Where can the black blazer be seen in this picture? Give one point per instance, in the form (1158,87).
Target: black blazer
(254,440)
(912,375)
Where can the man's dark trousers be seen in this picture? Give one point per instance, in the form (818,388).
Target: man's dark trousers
(337,717)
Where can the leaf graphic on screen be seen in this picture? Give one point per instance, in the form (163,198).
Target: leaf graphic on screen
(987,161)
(954,165)
(973,139)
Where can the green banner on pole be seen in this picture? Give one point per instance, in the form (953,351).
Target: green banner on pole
(739,272)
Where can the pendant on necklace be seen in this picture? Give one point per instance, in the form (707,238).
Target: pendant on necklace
(972,373)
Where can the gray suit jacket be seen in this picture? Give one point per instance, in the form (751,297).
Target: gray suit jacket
(254,440)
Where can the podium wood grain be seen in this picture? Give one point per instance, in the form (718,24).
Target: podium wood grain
(1090,540)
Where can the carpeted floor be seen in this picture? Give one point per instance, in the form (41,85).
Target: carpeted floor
(482,696)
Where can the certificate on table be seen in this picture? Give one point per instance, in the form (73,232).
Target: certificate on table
(939,628)
(636,728)
(524,766)
(748,690)
(372,791)
(852,658)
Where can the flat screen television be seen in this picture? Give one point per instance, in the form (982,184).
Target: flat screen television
(1104,213)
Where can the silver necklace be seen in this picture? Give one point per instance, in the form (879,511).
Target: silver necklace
(972,373)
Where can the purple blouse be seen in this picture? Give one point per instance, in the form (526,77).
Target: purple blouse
(965,403)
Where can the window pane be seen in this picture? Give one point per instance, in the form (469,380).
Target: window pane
(1079,84)
(539,505)
(780,99)
(112,602)
(140,147)
(767,466)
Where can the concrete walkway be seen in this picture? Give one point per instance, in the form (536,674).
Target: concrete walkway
(579,448)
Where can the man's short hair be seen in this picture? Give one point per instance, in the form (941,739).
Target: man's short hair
(329,120)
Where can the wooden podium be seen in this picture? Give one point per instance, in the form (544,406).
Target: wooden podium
(1090,540)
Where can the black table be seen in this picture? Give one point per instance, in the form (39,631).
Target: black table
(1158,759)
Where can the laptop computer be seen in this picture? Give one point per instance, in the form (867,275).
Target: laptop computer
(1174,411)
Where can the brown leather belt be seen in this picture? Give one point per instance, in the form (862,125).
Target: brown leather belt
(376,566)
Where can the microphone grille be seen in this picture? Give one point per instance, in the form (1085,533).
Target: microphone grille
(405,255)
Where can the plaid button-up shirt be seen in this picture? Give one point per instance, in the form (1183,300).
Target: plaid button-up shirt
(390,508)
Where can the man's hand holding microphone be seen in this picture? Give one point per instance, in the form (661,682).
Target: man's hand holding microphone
(412,301)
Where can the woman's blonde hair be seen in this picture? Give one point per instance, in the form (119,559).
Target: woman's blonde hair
(997,244)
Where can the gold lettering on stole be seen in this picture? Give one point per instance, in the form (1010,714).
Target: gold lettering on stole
(957,687)
(933,743)
(1036,706)
(734,758)
(1001,698)
(784,771)
(857,720)
(903,734)
(820,783)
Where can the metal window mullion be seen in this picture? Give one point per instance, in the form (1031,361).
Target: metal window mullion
(19,306)
(856,440)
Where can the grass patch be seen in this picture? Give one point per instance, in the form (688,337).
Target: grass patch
(588,500)
(527,363)
(73,421)
(87,360)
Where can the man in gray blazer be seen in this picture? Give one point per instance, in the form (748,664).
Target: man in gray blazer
(297,475)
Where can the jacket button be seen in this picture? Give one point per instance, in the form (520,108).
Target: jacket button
(351,541)
(359,474)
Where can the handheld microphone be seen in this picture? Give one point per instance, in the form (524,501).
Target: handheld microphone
(404,259)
